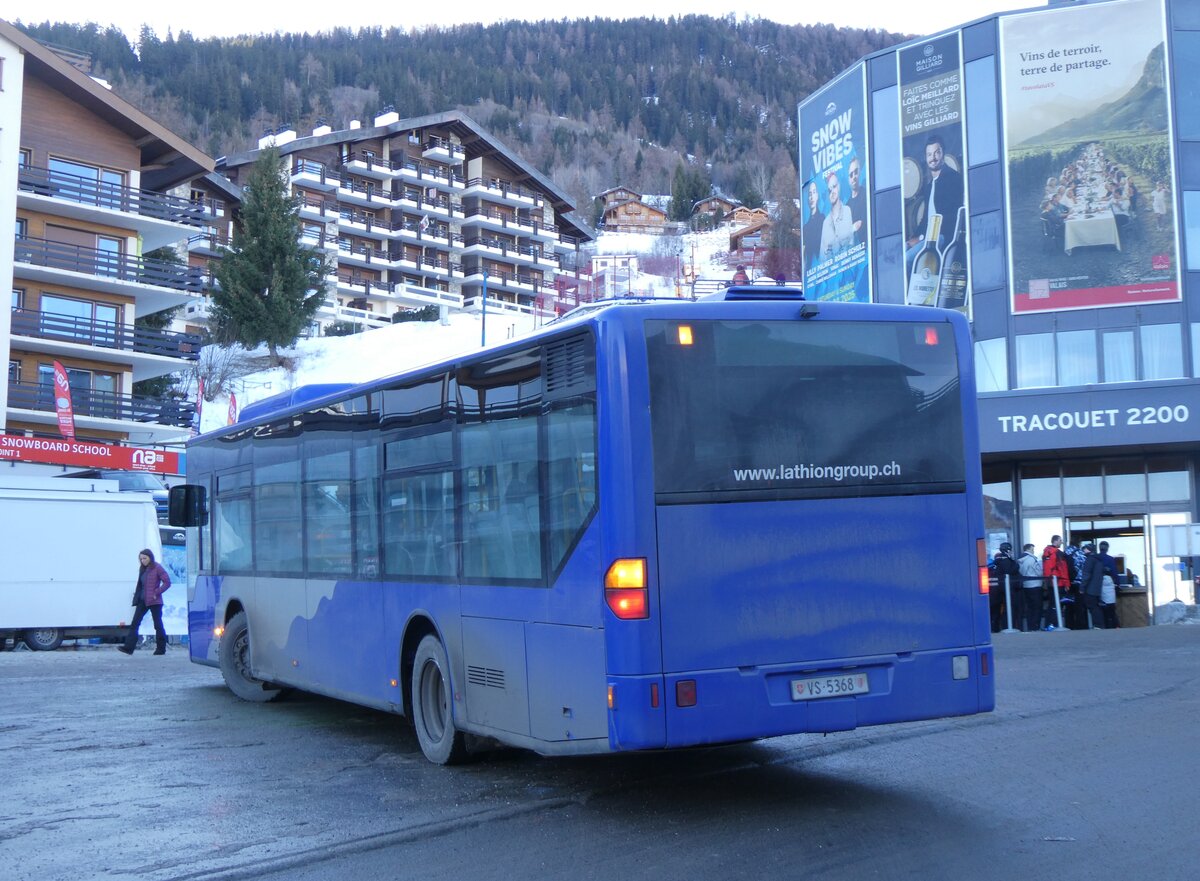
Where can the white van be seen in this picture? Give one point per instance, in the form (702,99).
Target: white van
(69,549)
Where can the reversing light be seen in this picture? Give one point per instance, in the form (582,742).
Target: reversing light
(685,334)
(685,693)
(931,336)
(625,588)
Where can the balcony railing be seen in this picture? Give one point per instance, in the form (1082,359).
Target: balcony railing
(107,264)
(506,188)
(211,241)
(104,405)
(87,191)
(431,171)
(105,334)
(370,286)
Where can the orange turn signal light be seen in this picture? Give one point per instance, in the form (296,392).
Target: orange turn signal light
(625,588)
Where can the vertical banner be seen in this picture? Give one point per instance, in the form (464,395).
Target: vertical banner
(232,409)
(62,402)
(933,173)
(833,199)
(1087,142)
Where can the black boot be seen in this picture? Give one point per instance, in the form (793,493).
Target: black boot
(126,649)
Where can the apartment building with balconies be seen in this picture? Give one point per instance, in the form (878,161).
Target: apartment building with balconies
(428,211)
(89,197)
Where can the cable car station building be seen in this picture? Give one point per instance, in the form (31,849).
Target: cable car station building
(1038,170)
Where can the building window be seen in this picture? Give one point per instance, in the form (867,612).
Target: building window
(90,184)
(1069,358)
(885,117)
(1035,360)
(1105,484)
(1186,63)
(1083,483)
(1040,486)
(14,370)
(18,298)
(1076,357)
(991,365)
(1162,352)
(24,158)
(1191,227)
(82,319)
(983,142)
(1120,363)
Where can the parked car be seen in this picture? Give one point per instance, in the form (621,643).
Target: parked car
(133,481)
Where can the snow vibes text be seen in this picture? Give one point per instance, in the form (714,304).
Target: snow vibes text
(832,142)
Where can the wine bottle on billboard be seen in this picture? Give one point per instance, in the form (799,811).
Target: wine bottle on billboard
(952,283)
(922,285)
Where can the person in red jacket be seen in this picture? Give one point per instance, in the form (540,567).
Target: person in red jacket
(1054,565)
(152,581)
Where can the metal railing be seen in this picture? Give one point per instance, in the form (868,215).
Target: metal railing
(107,264)
(314,169)
(507,188)
(105,334)
(102,194)
(104,405)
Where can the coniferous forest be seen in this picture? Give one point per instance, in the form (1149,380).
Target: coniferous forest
(591,103)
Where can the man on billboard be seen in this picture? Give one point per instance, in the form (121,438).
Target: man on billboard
(941,194)
(812,226)
(857,199)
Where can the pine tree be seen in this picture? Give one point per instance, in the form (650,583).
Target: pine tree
(270,285)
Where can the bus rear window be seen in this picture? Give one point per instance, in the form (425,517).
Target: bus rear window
(803,409)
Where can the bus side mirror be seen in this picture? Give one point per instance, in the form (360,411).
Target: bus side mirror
(187,505)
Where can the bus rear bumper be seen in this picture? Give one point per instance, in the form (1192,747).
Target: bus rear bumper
(748,703)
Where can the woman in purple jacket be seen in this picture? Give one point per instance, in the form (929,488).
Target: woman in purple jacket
(152,580)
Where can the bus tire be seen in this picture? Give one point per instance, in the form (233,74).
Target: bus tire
(44,639)
(441,742)
(235,663)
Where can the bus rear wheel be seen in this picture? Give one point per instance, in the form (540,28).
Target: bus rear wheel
(440,741)
(235,663)
(44,639)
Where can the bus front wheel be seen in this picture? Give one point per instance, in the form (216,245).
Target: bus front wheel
(235,663)
(45,639)
(440,741)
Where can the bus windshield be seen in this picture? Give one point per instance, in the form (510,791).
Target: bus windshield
(800,409)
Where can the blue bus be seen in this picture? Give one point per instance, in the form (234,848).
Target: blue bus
(650,526)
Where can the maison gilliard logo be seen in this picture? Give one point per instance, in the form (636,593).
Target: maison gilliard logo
(931,61)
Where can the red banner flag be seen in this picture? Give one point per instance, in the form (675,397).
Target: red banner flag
(232,409)
(62,402)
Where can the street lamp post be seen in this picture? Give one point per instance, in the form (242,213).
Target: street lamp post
(483,324)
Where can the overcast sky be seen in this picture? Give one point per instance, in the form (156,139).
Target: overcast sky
(228,18)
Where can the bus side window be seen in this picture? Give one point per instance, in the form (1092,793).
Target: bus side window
(570,476)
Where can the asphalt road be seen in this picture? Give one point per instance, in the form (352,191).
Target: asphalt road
(148,768)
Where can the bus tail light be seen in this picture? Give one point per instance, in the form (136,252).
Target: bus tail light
(625,589)
(981,561)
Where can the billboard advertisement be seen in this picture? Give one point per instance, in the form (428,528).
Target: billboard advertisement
(933,174)
(834,205)
(1088,148)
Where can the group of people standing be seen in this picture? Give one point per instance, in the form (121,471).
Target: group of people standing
(1085,578)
